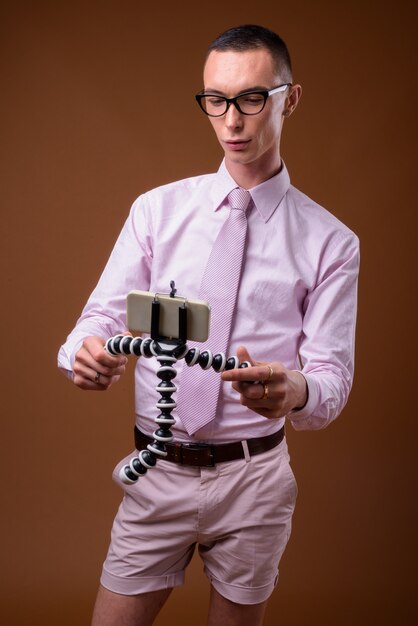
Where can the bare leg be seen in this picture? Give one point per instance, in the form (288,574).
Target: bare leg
(223,612)
(113,609)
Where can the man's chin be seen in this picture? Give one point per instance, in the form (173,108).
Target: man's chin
(239,158)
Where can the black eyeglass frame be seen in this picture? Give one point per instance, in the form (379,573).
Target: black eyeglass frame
(228,101)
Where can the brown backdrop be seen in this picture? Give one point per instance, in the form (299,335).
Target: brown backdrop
(97,107)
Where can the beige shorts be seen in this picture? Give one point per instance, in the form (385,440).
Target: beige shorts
(238,513)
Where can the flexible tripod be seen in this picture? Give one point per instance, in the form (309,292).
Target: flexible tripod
(167,351)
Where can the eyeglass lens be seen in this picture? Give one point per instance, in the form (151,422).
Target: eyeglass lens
(249,103)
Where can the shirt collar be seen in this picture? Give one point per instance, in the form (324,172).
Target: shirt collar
(266,196)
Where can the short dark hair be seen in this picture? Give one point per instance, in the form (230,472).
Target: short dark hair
(251,36)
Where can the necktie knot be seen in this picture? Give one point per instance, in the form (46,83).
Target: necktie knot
(239,198)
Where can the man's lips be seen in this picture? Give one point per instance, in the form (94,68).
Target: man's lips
(237,144)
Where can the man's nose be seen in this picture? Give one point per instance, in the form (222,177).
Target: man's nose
(233,118)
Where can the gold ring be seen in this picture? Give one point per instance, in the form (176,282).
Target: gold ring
(271,372)
(97,378)
(265,391)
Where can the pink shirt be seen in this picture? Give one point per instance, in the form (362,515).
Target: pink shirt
(296,303)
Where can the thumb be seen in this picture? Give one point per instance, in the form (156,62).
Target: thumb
(244,355)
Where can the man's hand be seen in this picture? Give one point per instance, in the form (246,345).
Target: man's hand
(278,391)
(95,369)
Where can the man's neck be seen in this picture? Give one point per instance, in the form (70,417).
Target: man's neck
(249,175)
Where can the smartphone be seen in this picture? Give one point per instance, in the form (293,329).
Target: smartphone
(139,305)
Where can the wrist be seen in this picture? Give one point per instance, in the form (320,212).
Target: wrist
(301,391)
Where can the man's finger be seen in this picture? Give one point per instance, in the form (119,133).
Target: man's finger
(245,374)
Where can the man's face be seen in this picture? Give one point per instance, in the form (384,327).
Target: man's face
(247,140)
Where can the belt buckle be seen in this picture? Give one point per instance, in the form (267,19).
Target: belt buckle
(207,459)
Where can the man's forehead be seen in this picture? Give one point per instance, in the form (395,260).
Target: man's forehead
(250,60)
(235,70)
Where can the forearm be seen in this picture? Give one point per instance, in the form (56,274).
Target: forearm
(327,347)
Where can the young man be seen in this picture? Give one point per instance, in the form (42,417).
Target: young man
(293,319)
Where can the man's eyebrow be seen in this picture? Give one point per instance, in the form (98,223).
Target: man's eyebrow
(208,90)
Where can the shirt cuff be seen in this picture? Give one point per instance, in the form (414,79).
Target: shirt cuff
(66,360)
(301,418)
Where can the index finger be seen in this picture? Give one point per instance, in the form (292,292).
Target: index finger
(108,360)
(96,348)
(246,374)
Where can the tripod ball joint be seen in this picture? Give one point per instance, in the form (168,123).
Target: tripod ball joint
(137,467)
(128,345)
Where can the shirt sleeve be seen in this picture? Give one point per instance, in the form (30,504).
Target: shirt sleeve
(327,346)
(128,268)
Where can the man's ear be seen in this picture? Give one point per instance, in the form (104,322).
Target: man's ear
(292,100)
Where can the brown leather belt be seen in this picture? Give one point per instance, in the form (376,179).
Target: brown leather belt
(208,455)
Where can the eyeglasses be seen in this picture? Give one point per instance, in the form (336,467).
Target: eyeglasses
(248,103)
